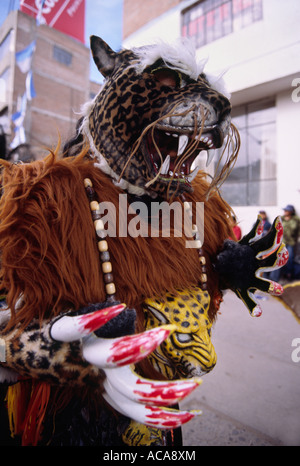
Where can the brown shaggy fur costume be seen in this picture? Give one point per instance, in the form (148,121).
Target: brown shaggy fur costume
(49,249)
(49,255)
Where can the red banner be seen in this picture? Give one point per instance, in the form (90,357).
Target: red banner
(67,16)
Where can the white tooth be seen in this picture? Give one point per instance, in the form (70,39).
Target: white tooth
(210,156)
(165,166)
(183,142)
(193,174)
(197,161)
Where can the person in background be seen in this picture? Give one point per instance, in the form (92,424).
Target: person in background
(266,223)
(291,229)
(236,229)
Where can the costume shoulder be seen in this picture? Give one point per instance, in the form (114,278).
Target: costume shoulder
(46,239)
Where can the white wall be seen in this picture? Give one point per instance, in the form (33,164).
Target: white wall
(264,51)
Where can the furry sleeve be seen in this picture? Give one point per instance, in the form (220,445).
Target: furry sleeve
(48,252)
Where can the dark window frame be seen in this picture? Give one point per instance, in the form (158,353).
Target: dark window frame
(209,20)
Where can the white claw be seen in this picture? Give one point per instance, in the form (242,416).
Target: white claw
(71,328)
(108,353)
(146,391)
(159,417)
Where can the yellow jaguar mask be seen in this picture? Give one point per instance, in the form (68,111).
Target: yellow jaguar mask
(187,352)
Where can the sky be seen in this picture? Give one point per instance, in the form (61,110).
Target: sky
(102,18)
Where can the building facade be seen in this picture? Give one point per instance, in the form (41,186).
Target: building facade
(256,44)
(60,68)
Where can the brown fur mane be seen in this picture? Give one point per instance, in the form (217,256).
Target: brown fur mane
(48,247)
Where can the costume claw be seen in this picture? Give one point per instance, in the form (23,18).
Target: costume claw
(143,390)
(273,240)
(71,328)
(159,417)
(256,312)
(275,289)
(105,353)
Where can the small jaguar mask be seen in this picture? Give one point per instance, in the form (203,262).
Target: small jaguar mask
(188,351)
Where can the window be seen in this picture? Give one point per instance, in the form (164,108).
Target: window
(210,20)
(253,178)
(62,56)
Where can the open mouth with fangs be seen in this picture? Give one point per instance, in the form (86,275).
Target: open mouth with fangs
(172,153)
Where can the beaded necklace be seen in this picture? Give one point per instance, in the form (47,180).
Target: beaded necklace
(101,233)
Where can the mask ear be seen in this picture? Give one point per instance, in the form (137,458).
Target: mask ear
(104,57)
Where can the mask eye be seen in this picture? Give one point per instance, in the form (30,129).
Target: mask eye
(183,337)
(171,78)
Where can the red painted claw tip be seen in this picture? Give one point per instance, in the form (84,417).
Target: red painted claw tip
(275,289)
(161,393)
(133,348)
(282,256)
(93,321)
(260,226)
(168,418)
(257,311)
(279,228)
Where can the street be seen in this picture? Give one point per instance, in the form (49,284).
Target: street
(252,396)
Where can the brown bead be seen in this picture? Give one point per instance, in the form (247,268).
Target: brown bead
(108,278)
(96,215)
(90,193)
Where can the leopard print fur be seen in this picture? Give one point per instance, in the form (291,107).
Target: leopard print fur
(34,354)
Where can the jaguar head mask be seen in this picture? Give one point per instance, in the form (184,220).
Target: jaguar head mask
(188,351)
(155,113)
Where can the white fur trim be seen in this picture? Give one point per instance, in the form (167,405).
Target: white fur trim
(218,83)
(181,56)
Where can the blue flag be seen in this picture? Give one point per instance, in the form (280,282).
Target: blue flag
(30,90)
(24,57)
